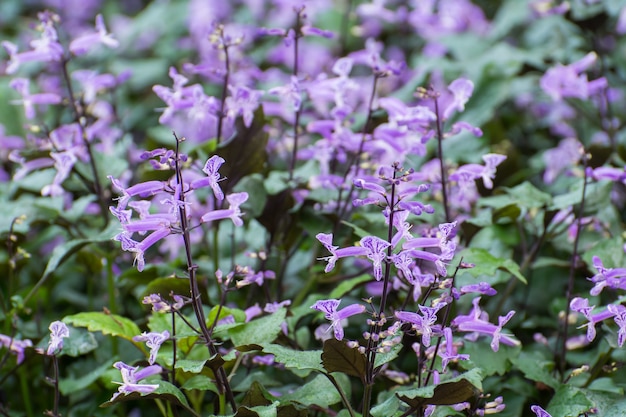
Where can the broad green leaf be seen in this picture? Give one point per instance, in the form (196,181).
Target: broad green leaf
(597,194)
(607,404)
(487,264)
(108,324)
(190,365)
(348,285)
(361,233)
(79,343)
(258,411)
(338,357)
(200,383)
(257,395)
(296,359)
(454,391)
(383,358)
(570,401)
(166,285)
(483,357)
(319,392)
(536,368)
(74,384)
(610,251)
(257,332)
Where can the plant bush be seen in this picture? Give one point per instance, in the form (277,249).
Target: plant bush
(291,208)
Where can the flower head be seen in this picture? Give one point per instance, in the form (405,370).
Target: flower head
(153,340)
(132,375)
(58,332)
(329,308)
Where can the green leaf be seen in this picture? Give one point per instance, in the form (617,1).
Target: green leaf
(483,357)
(383,358)
(165,285)
(108,324)
(319,391)
(79,343)
(610,251)
(487,264)
(348,285)
(454,391)
(190,365)
(570,401)
(200,383)
(258,332)
(296,360)
(71,385)
(256,395)
(607,404)
(536,368)
(258,411)
(361,233)
(338,357)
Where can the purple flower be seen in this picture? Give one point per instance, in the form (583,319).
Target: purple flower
(132,375)
(83,44)
(15,346)
(566,155)
(540,412)
(153,340)
(326,240)
(58,331)
(423,323)
(292,91)
(213,178)
(92,83)
(481,288)
(451,353)
(376,252)
(21,85)
(329,308)
(45,49)
(233,212)
(614,278)
(565,81)
(471,172)
(620,319)
(462,90)
(476,322)
(243,101)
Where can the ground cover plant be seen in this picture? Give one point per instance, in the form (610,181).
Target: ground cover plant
(325,208)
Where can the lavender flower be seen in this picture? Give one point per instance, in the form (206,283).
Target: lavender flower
(462,90)
(423,323)
(233,212)
(21,85)
(153,340)
(470,172)
(451,353)
(132,375)
(243,101)
(45,49)
(213,178)
(476,323)
(58,332)
(565,81)
(614,278)
(540,412)
(83,44)
(15,346)
(329,308)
